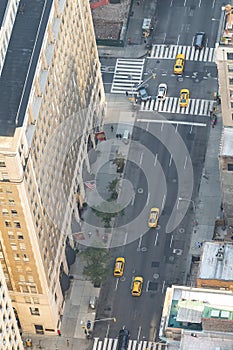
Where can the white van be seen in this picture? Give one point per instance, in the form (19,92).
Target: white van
(126,136)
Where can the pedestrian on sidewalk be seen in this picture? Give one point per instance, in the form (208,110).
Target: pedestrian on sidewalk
(112,128)
(59,332)
(67,343)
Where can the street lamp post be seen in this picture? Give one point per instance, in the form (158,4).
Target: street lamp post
(187,200)
(87,325)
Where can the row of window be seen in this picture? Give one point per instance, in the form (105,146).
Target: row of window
(5,212)
(8,223)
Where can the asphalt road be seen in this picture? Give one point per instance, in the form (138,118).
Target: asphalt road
(160,256)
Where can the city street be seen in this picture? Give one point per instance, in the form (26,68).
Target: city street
(156,254)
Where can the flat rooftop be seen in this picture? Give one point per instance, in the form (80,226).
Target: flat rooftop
(204,341)
(190,305)
(21,60)
(227,142)
(216,261)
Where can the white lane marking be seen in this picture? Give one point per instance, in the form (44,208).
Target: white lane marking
(176,127)
(132,282)
(171,241)
(139,243)
(95,343)
(213,4)
(162,126)
(163,202)
(170,161)
(191,129)
(126,236)
(141,156)
(171,122)
(148,199)
(164,38)
(107,332)
(133,199)
(199,3)
(171,3)
(117,281)
(156,158)
(147,286)
(147,127)
(163,286)
(185,162)
(139,332)
(156,238)
(178,39)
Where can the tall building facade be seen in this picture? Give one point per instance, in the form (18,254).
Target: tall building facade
(224,60)
(10,338)
(52,104)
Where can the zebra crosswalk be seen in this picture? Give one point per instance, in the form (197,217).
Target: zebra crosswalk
(127,75)
(207,54)
(171,105)
(111,344)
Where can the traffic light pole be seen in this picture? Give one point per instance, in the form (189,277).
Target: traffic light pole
(88,324)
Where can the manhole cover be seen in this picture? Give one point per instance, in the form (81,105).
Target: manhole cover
(180,79)
(140,190)
(122,279)
(144,249)
(156,276)
(153,286)
(181,230)
(197,80)
(155,264)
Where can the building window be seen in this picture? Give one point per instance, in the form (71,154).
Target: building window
(230,55)
(20,236)
(14,212)
(11,235)
(22,246)
(8,223)
(27,300)
(21,278)
(13,246)
(33,289)
(39,329)
(231,81)
(16,257)
(25,289)
(35,311)
(5,212)
(25,257)
(2,164)
(36,300)
(5,176)
(17,224)
(30,279)
(230,68)
(230,167)
(11,201)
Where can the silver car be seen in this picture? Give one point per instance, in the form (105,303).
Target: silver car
(162,92)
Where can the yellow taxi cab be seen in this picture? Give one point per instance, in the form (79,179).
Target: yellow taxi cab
(153,218)
(179,64)
(184,97)
(119,267)
(137,286)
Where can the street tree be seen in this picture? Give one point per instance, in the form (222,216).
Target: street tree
(97,261)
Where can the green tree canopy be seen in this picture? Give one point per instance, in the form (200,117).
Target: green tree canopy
(97,262)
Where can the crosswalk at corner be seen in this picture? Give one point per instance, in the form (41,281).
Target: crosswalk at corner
(171,105)
(207,54)
(111,344)
(127,75)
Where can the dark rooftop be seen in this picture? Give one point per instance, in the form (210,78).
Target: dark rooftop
(3,4)
(20,63)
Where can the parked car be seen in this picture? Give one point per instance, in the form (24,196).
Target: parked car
(162,92)
(123,339)
(199,40)
(143,94)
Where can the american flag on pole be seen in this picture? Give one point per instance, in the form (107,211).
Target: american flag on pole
(91,185)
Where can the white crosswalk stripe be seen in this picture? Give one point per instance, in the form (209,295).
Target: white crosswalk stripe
(171,105)
(127,75)
(207,54)
(111,344)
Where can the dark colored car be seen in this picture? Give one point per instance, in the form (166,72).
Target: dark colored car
(199,40)
(123,339)
(143,94)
